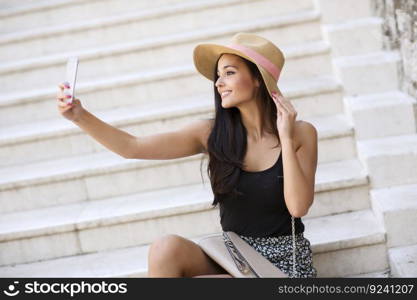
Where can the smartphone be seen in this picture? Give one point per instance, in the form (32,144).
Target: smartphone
(70,77)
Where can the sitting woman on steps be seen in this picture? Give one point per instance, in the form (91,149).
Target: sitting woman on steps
(253,143)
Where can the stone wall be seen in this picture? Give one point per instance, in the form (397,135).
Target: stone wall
(400,33)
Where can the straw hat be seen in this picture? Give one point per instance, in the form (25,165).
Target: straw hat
(267,57)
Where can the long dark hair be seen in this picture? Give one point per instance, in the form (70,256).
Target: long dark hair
(227,142)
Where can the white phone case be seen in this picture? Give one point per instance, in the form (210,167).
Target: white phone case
(70,77)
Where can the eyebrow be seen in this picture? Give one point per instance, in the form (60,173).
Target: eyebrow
(228,66)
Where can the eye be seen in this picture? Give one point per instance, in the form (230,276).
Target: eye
(227,73)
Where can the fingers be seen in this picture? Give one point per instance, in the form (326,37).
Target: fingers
(61,95)
(287,104)
(61,101)
(63,104)
(280,106)
(64,85)
(283,104)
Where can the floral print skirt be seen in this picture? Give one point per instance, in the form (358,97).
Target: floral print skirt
(278,250)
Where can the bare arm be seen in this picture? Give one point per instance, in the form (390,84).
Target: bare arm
(110,137)
(114,139)
(186,141)
(299,169)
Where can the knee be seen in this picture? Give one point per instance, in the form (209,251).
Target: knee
(166,248)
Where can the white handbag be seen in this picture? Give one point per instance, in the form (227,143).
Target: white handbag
(239,258)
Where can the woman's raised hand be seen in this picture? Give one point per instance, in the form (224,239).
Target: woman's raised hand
(71,111)
(286,117)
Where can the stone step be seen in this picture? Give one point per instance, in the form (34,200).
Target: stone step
(403,261)
(40,184)
(376,72)
(50,13)
(20,16)
(151,54)
(144,87)
(392,110)
(336,137)
(390,161)
(344,10)
(28,193)
(355,37)
(6,5)
(380,274)
(26,143)
(354,244)
(91,177)
(125,262)
(93,226)
(340,187)
(51,229)
(292,27)
(396,208)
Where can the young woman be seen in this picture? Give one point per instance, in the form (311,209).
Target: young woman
(253,144)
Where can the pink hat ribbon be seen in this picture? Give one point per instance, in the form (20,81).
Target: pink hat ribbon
(259,58)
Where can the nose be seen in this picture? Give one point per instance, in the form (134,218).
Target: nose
(219,81)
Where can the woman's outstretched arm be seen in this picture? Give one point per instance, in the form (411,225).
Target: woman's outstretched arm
(186,141)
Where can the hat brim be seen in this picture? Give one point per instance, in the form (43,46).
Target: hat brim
(205,57)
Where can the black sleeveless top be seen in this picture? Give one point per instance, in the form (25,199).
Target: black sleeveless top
(261,210)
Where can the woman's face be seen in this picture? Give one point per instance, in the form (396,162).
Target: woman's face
(234,76)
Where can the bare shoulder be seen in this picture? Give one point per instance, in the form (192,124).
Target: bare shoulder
(305,132)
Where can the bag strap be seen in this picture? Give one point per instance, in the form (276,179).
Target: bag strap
(237,257)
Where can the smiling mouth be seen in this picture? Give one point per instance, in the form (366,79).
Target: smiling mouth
(225,95)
